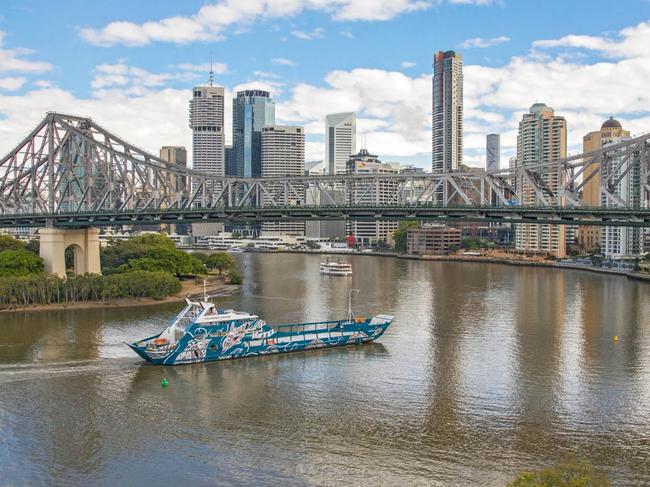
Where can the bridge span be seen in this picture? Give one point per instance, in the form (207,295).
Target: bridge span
(70,173)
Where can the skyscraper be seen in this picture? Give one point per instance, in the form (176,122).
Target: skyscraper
(251,110)
(283,154)
(492,152)
(206,122)
(589,236)
(542,138)
(447,112)
(208,143)
(340,141)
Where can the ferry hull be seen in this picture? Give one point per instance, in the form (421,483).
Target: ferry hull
(201,347)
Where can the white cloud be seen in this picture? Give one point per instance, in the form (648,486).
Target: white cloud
(212,21)
(13,60)
(266,75)
(407,64)
(132,80)
(219,68)
(631,42)
(317,33)
(272,87)
(347,33)
(473,2)
(44,83)
(393,108)
(283,61)
(481,43)
(12,84)
(150,120)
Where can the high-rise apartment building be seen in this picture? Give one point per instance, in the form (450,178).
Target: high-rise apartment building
(589,237)
(251,111)
(447,113)
(283,154)
(492,152)
(542,138)
(340,141)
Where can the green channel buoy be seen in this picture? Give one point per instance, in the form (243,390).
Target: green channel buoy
(164,382)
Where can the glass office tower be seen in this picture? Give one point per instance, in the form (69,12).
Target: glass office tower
(251,110)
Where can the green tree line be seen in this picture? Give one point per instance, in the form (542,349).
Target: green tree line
(146,265)
(43,289)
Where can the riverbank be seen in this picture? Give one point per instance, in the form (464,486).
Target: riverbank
(480,259)
(214,286)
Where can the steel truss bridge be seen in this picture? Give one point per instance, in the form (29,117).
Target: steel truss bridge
(71,172)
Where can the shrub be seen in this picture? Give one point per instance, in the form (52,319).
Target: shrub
(571,473)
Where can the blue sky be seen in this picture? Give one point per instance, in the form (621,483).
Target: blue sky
(131,65)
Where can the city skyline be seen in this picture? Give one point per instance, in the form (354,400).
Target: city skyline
(138,86)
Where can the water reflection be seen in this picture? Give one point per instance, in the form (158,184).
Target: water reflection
(487,370)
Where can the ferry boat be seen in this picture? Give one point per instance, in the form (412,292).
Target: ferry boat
(340,268)
(201,332)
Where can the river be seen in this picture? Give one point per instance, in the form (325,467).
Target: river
(487,370)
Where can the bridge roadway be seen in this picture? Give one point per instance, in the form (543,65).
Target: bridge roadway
(598,216)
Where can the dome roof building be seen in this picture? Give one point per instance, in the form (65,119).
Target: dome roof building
(612,123)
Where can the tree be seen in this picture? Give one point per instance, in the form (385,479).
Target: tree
(10,243)
(401,233)
(220,261)
(34,246)
(471,243)
(202,256)
(120,252)
(571,473)
(453,248)
(19,262)
(235,277)
(166,259)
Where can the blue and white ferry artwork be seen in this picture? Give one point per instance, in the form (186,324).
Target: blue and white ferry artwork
(202,333)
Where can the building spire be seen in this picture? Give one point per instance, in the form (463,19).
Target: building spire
(211,77)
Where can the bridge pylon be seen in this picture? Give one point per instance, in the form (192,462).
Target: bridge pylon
(84,243)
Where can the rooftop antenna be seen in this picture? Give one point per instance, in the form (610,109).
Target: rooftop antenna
(211,78)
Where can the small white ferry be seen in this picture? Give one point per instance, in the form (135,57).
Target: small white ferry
(339,268)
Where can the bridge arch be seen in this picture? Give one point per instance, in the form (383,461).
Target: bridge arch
(85,245)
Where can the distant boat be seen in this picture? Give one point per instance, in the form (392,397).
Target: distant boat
(339,268)
(236,250)
(203,333)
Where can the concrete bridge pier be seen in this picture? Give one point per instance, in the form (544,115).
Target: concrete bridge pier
(84,242)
